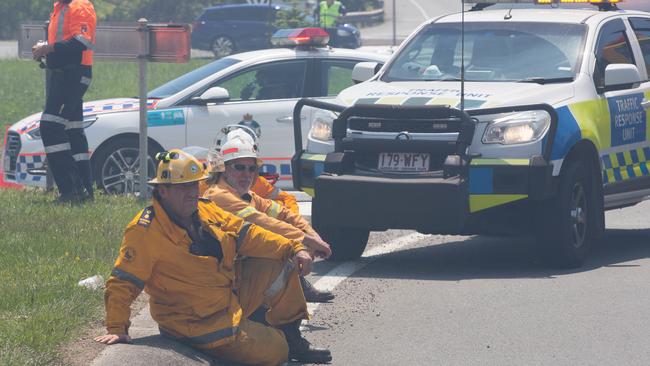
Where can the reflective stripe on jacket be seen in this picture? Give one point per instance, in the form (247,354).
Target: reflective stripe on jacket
(264,189)
(191,296)
(260,211)
(76,20)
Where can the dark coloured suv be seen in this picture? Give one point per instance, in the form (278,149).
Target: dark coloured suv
(226,29)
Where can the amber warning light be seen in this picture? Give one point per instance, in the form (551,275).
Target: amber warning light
(300,37)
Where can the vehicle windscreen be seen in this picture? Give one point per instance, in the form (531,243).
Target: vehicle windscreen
(192,77)
(494,51)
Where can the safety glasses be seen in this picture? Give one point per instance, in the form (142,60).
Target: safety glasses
(244,167)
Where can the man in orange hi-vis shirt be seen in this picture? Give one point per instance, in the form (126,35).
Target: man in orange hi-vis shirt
(69,58)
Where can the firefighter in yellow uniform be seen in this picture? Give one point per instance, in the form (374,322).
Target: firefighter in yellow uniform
(234,167)
(185,253)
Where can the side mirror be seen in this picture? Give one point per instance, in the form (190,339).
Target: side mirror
(621,76)
(213,95)
(364,71)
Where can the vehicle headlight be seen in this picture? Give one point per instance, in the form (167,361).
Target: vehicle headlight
(35,134)
(343,33)
(517,128)
(321,127)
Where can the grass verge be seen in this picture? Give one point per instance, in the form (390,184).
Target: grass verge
(46,250)
(23,91)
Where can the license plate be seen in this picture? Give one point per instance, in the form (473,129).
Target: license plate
(404,162)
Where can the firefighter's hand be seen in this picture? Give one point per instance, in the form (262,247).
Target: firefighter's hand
(113,338)
(320,248)
(303,260)
(41,50)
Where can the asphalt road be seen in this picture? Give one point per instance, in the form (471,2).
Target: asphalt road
(455,300)
(444,300)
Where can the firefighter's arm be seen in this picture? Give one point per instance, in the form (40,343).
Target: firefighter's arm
(288,200)
(283,213)
(255,241)
(132,270)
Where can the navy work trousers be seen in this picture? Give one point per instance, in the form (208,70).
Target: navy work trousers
(62,130)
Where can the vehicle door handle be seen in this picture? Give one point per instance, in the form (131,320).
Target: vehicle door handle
(287,119)
(645,104)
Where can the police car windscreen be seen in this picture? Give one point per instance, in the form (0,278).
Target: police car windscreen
(191,78)
(494,51)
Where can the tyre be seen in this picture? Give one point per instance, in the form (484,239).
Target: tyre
(346,243)
(567,220)
(222,46)
(116,165)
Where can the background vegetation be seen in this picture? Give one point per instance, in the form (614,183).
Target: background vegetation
(186,11)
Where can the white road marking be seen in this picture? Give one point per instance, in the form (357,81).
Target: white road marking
(344,270)
(421,9)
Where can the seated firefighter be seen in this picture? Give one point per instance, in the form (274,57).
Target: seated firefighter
(206,272)
(234,168)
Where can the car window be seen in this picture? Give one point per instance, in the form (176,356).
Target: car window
(336,75)
(641,28)
(214,15)
(247,13)
(612,47)
(191,78)
(493,51)
(278,80)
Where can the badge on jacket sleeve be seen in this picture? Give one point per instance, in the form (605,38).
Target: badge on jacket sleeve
(146,217)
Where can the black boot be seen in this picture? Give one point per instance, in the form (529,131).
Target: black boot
(300,349)
(312,294)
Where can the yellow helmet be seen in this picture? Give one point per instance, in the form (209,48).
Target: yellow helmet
(176,166)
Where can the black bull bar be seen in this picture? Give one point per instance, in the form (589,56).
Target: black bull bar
(467,120)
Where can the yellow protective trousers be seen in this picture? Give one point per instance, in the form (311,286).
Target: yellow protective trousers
(276,285)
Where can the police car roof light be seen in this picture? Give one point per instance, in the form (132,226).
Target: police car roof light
(300,37)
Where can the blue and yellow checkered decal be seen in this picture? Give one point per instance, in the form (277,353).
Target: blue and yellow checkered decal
(621,166)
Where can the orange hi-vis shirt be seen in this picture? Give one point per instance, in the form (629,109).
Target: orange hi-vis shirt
(74,20)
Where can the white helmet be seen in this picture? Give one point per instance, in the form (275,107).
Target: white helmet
(233,142)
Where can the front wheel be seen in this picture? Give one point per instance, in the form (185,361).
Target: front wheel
(346,243)
(116,166)
(222,46)
(567,221)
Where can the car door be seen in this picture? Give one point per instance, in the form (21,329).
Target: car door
(624,158)
(261,96)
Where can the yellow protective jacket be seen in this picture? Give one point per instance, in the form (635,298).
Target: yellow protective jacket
(264,189)
(260,211)
(191,296)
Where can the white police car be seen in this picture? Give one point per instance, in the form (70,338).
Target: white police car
(256,88)
(549,130)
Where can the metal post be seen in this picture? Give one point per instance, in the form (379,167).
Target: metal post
(394,23)
(142,60)
(49,178)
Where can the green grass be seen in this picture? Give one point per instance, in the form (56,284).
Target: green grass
(22,92)
(46,250)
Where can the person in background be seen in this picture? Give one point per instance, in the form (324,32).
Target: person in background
(69,57)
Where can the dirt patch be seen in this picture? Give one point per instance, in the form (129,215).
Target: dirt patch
(83,350)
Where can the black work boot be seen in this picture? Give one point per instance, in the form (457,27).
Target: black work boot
(300,349)
(312,294)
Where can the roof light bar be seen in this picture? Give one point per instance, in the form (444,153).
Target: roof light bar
(300,37)
(594,2)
